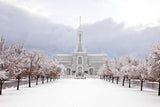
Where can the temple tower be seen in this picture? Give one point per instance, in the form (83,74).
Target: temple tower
(79,47)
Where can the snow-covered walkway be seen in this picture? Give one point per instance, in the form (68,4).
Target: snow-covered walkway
(79,93)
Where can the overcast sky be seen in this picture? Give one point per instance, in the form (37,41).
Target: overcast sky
(131,12)
(115,27)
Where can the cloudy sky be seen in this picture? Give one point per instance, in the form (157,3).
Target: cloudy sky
(114,27)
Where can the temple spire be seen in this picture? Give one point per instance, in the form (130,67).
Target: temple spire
(79,47)
(79,22)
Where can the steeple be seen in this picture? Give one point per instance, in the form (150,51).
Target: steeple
(79,22)
(79,47)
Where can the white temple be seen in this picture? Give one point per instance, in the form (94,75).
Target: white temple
(80,63)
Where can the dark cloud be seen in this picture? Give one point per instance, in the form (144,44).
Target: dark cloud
(102,37)
(112,38)
(37,32)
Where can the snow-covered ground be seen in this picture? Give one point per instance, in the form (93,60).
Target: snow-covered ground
(79,93)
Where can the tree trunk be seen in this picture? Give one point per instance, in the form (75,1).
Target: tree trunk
(112,79)
(50,79)
(18,81)
(37,79)
(54,78)
(1,84)
(159,89)
(129,83)
(43,80)
(47,79)
(141,84)
(117,79)
(29,76)
(106,78)
(109,78)
(123,81)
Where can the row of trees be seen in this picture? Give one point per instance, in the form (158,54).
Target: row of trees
(127,67)
(17,63)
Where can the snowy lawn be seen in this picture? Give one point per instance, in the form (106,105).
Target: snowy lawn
(79,93)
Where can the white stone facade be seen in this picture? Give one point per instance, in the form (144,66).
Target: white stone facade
(80,63)
(90,63)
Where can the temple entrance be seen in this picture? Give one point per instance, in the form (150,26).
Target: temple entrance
(91,71)
(68,71)
(79,71)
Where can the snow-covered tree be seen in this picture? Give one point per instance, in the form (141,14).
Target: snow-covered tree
(17,63)
(125,67)
(129,68)
(115,65)
(38,69)
(105,70)
(48,68)
(153,62)
(142,72)
(4,63)
(16,59)
(32,59)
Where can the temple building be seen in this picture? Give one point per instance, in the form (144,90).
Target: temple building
(80,63)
